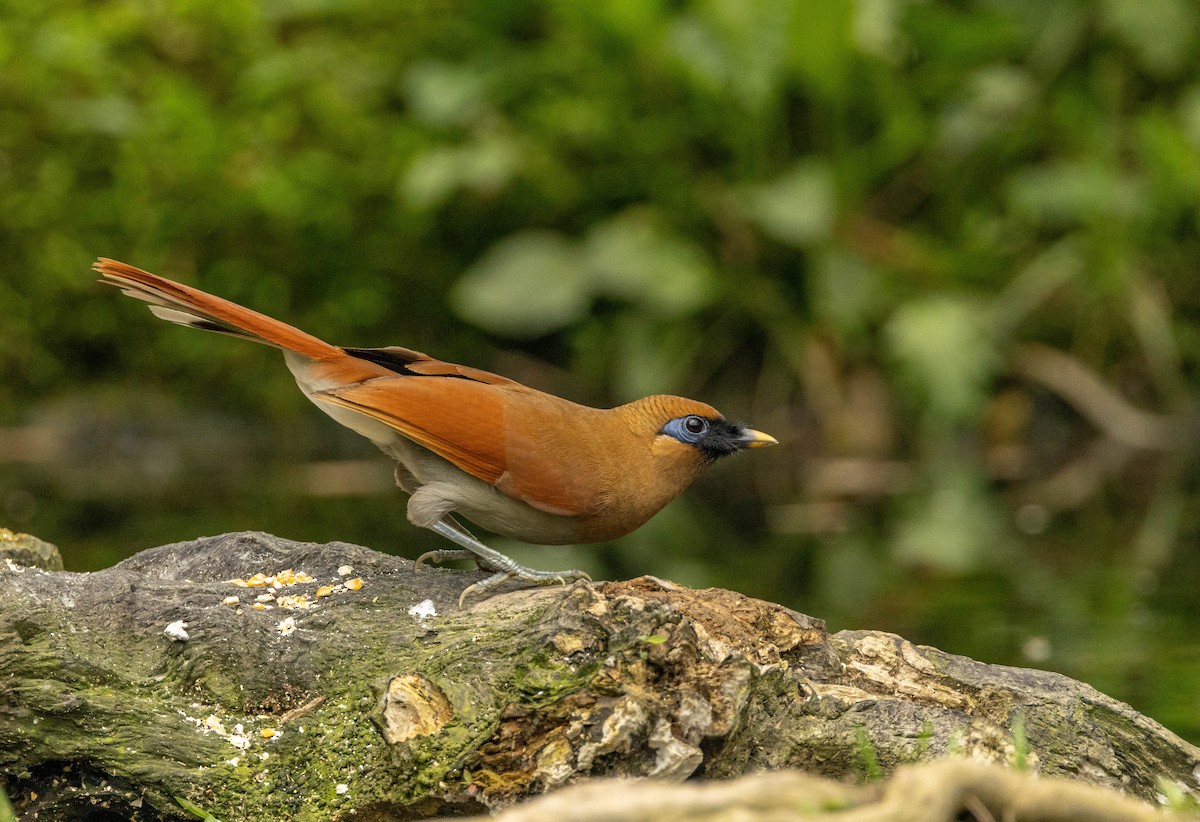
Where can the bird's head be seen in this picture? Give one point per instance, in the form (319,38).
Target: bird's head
(690,434)
(648,451)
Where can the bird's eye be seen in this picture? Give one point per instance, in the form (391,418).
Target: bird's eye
(690,429)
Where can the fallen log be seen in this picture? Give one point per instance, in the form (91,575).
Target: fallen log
(248,677)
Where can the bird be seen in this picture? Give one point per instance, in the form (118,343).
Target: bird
(468,443)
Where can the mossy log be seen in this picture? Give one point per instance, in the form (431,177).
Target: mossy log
(158,684)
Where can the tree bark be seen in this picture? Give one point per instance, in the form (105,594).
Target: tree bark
(145,688)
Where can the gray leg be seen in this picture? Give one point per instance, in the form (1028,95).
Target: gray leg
(447,554)
(492,560)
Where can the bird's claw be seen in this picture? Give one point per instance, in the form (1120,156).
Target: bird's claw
(483,585)
(525,575)
(441,555)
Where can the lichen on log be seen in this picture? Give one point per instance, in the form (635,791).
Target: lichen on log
(354,683)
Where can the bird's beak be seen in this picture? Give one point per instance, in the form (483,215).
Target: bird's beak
(756,439)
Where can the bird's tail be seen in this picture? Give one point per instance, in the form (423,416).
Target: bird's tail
(189,306)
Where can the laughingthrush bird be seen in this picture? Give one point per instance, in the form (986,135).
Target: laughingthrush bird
(514,460)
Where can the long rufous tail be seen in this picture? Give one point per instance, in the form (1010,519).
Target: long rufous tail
(189,306)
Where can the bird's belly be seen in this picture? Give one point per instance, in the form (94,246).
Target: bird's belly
(502,514)
(486,506)
(438,486)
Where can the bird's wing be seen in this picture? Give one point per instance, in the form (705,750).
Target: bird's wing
(406,361)
(457,419)
(492,430)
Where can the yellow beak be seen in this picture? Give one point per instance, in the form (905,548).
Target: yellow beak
(756,439)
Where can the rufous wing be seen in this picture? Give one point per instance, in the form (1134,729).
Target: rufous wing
(459,420)
(500,432)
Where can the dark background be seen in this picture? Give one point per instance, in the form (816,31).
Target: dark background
(945,252)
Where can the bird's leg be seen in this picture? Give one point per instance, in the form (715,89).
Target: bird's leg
(492,560)
(440,555)
(432,510)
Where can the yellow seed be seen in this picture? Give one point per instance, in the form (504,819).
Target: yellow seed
(354,584)
(325,590)
(267,733)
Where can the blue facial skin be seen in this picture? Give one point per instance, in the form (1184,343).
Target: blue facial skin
(713,437)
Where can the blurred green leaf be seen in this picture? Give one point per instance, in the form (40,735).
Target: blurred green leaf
(1161,32)
(1189,115)
(108,114)
(736,46)
(953,526)
(820,39)
(1064,193)
(878,28)
(846,291)
(445,95)
(651,357)
(484,166)
(433,177)
(797,208)
(527,285)
(998,96)
(945,356)
(632,258)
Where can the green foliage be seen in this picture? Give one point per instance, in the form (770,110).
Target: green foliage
(1020,757)
(868,757)
(841,219)
(1176,797)
(6,809)
(195,810)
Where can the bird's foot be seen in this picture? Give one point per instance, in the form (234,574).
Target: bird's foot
(525,575)
(445,555)
(489,559)
(441,555)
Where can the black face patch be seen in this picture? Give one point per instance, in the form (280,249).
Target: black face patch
(723,438)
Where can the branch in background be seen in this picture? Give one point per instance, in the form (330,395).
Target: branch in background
(1100,404)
